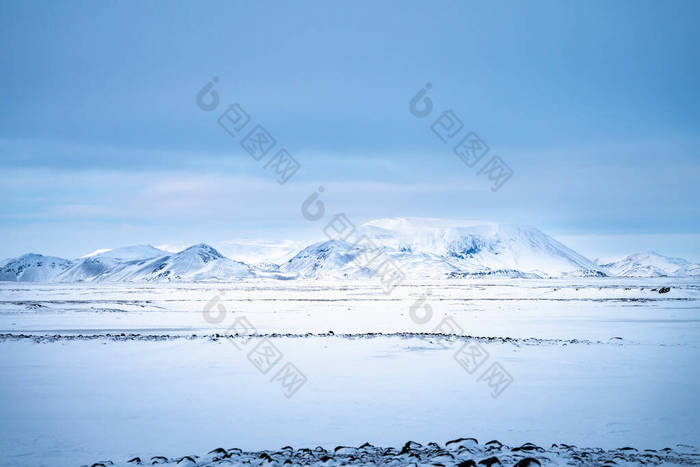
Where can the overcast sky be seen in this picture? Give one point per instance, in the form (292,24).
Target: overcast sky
(594,106)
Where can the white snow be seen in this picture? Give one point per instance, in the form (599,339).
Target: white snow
(253,251)
(73,401)
(133,252)
(99,251)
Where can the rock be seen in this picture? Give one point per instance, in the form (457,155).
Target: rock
(528,447)
(490,461)
(461,442)
(664,289)
(219,451)
(416,454)
(186,459)
(410,445)
(528,462)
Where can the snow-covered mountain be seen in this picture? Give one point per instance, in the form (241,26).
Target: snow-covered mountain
(329,259)
(117,264)
(421,247)
(129,252)
(196,263)
(439,248)
(651,264)
(33,268)
(131,264)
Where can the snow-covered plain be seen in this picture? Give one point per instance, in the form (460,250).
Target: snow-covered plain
(96,371)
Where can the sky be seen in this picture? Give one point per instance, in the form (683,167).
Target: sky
(592,105)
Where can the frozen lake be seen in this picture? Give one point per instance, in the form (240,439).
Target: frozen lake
(594,362)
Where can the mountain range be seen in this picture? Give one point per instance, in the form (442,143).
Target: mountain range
(421,247)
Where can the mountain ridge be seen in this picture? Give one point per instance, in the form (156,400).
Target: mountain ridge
(421,247)
(651,264)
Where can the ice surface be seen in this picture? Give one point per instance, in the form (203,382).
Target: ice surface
(617,366)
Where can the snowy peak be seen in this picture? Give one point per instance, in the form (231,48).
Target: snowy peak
(329,259)
(202,253)
(134,263)
(437,248)
(129,253)
(197,263)
(651,264)
(474,247)
(33,267)
(110,264)
(424,234)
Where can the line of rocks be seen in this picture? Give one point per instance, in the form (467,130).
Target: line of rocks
(48,338)
(461,452)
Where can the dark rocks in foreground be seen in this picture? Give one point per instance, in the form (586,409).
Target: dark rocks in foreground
(462,452)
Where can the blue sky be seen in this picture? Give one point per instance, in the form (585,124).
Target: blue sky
(594,105)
